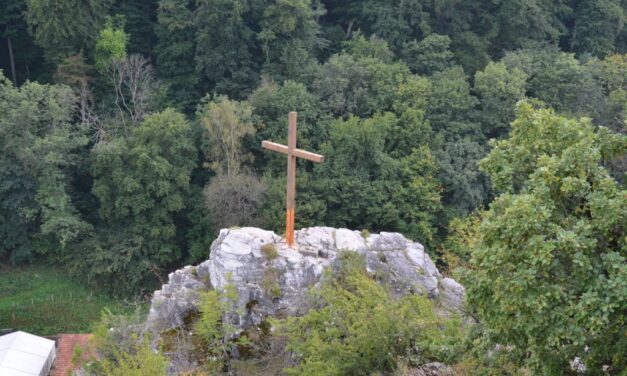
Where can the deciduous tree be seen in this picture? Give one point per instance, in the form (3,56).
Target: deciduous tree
(39,144)
(549,272)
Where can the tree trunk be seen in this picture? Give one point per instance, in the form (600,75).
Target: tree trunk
(573,40)
(349,29)
(12,60)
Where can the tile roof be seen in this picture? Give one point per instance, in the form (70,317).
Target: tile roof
(65,351)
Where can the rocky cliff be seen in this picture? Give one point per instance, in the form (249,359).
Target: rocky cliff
(273,280)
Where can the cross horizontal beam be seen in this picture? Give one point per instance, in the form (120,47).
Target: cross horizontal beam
(297,152)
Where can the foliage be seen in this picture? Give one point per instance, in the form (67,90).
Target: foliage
(611,73)
(558,79)
(175,31)
(463,237)
(62,28)
(141,183)
(290,38)
(225,45)
(111,44)
(195,224)
(214,327)
(548,273)
(118,333)
(358,85)
(122,350)
(226,124)
(144,361)
(271,103)
(598,25)
(39,146)
(270,283)
(482,358)
(499,90)
(364,187)
(430,55)
(358,328)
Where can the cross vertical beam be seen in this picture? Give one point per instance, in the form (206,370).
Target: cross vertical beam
(291,179)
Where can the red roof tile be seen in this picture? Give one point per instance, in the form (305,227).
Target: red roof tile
(65,351)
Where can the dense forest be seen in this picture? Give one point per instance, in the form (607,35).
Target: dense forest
(493,132)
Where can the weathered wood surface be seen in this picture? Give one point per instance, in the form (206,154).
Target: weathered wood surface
(299,153)
(291,179)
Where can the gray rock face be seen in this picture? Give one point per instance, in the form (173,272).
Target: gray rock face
(277,286)
(176,299)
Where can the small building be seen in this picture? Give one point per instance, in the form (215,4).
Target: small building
(23,354)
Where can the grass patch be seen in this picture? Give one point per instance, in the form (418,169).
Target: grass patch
(270,251)
(270,283)
(44,301)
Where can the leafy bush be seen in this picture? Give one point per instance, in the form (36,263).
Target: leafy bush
(359,328)
(144,361)
(116,333)
(122,350)
(213,331)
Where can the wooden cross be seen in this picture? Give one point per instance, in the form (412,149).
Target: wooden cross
(292,153)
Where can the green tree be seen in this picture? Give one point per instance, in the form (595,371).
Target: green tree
(458,141)
(465,187)
(358,84)
(233,194)
(226,54)
(373,47)
(499,89)
(75,72)
(141,183)
(410,106)
(140,21)
(519,23)
(430,55)
(451,108)
(11,25)
(291,38)
(143,362)
(396,22)
(549,272)
(39,144)
(62,28)
(597,25)
(111,44)
(226,124)
(558,79)
(175,30)
(611,72)
(364,187)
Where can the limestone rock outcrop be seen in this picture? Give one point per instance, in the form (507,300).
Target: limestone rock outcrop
(273,280)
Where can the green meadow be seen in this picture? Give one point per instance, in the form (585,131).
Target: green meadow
(45,301)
